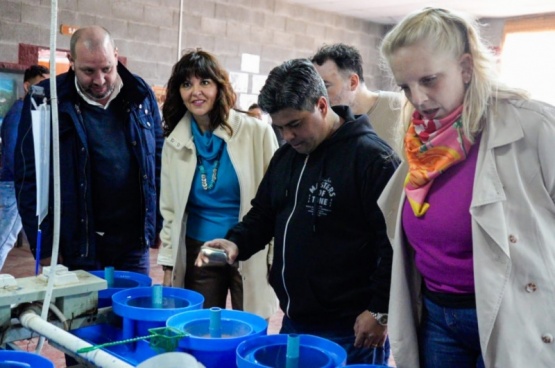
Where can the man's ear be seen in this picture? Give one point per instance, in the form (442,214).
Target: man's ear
(26,86)
(354,81)
(71,61)
(467,67)
(322,105)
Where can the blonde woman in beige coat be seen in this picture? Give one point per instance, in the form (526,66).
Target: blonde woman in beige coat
(503,219)
(198,110)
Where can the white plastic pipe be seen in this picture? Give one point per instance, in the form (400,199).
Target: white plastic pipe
(99,358)
(55,167)
(180,30)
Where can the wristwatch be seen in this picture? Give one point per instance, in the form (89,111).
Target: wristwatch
(380,317)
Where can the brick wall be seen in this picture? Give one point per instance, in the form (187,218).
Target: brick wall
(146,31)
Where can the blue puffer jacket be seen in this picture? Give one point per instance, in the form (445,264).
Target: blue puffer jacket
(8,132)
(77,229)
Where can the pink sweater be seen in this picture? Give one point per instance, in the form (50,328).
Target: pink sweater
(442,238)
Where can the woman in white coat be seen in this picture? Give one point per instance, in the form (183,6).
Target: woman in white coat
(471,212)
(213,160)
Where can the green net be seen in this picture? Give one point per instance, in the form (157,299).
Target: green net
(162,340)
(165,339)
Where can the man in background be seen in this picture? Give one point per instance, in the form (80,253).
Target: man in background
(256,112)
(340,66)
(110,146)
(10,221)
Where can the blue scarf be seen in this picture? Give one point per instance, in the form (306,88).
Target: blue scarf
(208,146)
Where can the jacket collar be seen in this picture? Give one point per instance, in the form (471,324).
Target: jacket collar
(133,90)
(501,128)
(182,136)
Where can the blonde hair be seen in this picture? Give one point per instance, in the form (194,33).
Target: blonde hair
(454,34)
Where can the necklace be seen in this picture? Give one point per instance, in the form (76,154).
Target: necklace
(202,170)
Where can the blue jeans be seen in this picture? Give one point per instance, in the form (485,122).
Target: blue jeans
(10,222)
(449,337)
(346,339)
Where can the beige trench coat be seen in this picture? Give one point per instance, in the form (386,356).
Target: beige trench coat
(250,149)
(513,233)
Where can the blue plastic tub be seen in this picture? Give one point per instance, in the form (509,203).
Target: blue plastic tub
(216,352)
(132,353)
(270,351)
(140,313)
(122,280)
(23,359)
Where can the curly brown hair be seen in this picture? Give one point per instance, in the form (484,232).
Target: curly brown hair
(200,64)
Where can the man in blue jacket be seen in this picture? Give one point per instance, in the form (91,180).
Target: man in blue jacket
(332,259)
(10,222)
(110,144)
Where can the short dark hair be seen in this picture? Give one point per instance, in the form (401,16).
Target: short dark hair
(35,71)
(347,58)
(294,84)
(253,106)
(200,64)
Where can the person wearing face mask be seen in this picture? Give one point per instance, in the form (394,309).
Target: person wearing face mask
(111,137)
(473,205)
(10,221)
(213,160)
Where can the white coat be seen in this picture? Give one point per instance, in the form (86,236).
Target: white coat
(513,235)
(250,150)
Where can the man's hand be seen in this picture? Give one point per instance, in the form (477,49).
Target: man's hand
(227,246)
(368,332)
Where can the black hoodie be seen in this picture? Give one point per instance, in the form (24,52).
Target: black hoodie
(332,257)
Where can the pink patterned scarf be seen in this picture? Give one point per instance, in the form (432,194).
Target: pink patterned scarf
(432,146)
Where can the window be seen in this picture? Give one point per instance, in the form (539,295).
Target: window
(62,62)
(528,56)
(11,88)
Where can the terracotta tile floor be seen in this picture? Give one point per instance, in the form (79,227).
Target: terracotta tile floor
(20,263)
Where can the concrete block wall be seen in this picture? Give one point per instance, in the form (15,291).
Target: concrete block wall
(147,31)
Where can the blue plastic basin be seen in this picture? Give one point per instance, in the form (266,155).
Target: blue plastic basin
(139,314)
(216,352)
(23,359)
(122,280)
(270,351)
(132,353)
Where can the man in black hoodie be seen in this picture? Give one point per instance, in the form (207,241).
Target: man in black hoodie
(332,258)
